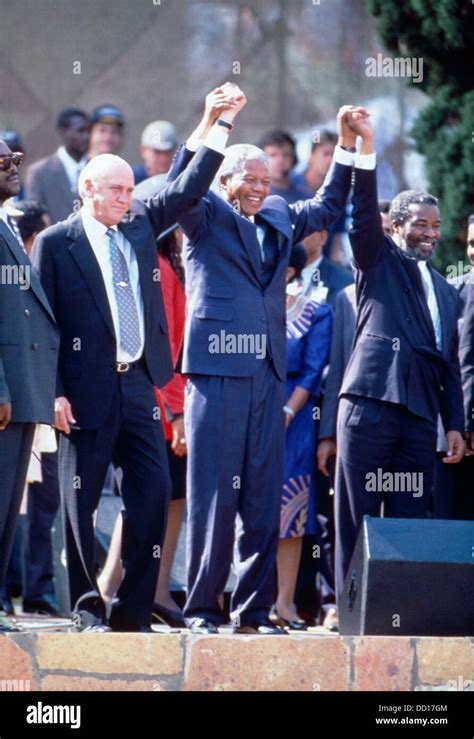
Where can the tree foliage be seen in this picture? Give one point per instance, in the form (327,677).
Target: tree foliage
(442,34)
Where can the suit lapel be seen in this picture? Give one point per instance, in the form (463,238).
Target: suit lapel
(13,244)
(248,234)
(446,307)
(282,228)
(279,221)
(23,260)
(83,254)
(411,267)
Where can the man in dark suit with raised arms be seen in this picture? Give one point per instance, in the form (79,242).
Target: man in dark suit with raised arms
(236,256)
(404,368)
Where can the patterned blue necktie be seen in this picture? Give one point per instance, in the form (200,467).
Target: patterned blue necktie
(130,340)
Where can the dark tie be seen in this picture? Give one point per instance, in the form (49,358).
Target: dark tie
(270,251)
(130,340)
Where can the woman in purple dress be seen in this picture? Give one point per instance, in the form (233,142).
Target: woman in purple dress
(309,327)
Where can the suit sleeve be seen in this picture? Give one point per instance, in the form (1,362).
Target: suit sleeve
(327,428)
(43,264)
(180,161)
(173,394)
(185,191)
(451,403)
(366,235)
(5,396)
(320,212)
(33,187)
(316,351)
(466,355)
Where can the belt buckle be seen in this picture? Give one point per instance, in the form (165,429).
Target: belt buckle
(122,366)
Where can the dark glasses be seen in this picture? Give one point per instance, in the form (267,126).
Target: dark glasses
(7,161)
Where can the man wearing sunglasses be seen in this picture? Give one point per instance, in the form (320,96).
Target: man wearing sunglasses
(29,345)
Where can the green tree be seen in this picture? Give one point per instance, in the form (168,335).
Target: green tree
(441,33)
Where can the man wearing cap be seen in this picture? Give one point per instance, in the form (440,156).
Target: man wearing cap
(52,181)
(107,131)
(157,148)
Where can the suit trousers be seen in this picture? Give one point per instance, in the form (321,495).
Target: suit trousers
(43,504)
(235,436)
(132,438)
(376,440)
(16,442)
(452,498)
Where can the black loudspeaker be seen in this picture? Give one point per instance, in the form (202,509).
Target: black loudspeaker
(410,577)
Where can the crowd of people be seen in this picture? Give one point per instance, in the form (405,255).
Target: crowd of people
(189,333)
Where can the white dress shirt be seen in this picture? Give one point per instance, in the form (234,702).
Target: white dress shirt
(73,168)
(432,302)
(96,232)
(216,139)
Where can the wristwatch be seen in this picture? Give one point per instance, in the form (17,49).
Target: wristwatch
(220,122)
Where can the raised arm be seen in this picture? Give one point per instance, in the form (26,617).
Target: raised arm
(324,209)
(191,184)
(219,103)
(366,235)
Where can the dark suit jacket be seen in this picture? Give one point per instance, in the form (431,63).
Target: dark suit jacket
(224,290)
(29,337)
(466,354)
(343,332)
(74,285)
(462,286)
(395,356)
(335,278)
(47,182)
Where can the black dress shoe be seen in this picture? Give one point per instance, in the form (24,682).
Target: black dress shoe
(7,605)
(45,605)
(95,628)
(263,626)
(7,626)
(166,616)
(86,621)
(293,625)
(203,626)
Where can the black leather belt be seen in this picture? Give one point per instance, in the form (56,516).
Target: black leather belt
(127,366)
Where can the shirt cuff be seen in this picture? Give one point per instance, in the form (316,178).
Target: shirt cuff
(217,138)
(193,143)
(365,161)
(341,156)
